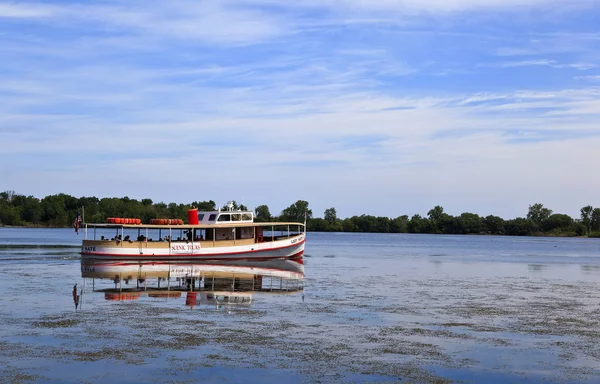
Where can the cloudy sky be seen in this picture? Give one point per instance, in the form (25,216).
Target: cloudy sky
(382,107)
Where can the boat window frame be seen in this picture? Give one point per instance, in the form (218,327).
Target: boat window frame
(222,217)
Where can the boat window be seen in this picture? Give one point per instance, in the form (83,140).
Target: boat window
(224,217)
(236,217)
(212,217)
(247,216)
(200,216)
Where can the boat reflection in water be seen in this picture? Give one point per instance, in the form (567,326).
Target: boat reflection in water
(210,282)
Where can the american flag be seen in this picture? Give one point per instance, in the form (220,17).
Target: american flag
(77,222)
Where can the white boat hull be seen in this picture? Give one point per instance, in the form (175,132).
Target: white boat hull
(285,248)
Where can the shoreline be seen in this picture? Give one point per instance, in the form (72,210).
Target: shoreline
(541,234)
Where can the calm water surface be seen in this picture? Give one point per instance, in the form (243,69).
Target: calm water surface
(375,308)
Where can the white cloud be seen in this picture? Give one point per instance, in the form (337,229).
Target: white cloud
(19,10)
(226,99)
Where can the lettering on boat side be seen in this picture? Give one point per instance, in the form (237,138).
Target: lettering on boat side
(177,248)
(184,271)
(294,241)
(89,249)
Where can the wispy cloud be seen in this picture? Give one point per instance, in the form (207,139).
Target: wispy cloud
(548,63)
(279,101)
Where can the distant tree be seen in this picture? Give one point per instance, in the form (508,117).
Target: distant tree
(538,214)
(296,212)
(471,223)
(520,227)
(558,221)
(7,196)
(418,224)
(10,215)
(436,213)
(595,220)
(54,211)
(146,202)
(318,225)
(436,216)
(242,207)
(348,225)
(330,215)
(209,205)
(32,210)
(262,213)
(365,223)
(586,216)
(494,225)
(399,224)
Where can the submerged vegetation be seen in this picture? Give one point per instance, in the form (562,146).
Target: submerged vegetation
(60,211)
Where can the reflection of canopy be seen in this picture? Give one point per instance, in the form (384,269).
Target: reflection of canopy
(129,269)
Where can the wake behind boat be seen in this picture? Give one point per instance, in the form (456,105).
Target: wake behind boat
(208,235)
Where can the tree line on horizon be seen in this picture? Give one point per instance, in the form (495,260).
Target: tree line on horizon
(60,210)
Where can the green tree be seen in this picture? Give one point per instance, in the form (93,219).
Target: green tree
(318,225)
(209,205)
(297,212)
(418,224)
(471,223)
(54,210)
(10,215)
(520,227)
(399,224)
(262,213)
(330,215)
(348,225)
(558,222)
(436,215)
(595,220)
(494,225)
(538,214)
(32,210)
(586,216)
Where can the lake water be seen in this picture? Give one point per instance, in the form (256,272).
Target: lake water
(374,308)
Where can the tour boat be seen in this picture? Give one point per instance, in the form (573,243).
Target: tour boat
(212,235)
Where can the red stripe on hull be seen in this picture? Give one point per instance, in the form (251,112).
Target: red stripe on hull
(209,256)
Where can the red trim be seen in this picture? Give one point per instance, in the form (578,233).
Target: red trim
(199,255)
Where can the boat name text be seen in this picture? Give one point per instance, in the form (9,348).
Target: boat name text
(175,248)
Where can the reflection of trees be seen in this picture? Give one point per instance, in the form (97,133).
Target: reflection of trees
(592,269)
(536,267)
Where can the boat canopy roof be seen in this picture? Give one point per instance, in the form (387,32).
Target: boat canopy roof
(193,226)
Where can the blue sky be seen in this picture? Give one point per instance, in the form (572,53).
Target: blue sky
(380,107)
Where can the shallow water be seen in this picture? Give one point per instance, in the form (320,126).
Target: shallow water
(375,308)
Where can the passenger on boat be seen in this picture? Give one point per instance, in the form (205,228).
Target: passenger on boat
(101,237)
